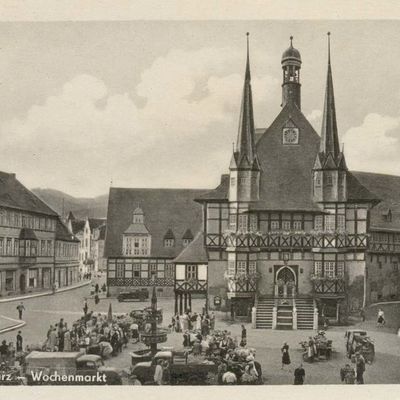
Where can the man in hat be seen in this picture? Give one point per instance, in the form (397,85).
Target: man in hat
(20,308)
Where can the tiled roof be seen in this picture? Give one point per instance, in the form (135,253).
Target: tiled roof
(188,234)
(14,194)
(63,234)
(386,188)
(137,228)
(195,252)
(221,192)
(163,209)
(77,225)
(96,222)
(169,234)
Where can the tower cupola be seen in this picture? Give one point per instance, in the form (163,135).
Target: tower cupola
(291,64)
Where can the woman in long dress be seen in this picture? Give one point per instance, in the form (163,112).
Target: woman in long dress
(285,355)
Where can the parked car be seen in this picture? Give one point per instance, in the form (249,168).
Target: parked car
(357,340)
(140,294)
(73,368)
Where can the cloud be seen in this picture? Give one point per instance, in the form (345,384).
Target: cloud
(315,118)
(177,135)
(374,145)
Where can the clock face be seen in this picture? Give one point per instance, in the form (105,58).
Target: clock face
(290,135)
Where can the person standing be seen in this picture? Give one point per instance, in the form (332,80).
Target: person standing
(362,315)
(347,375)
(19,342)
(85,308)
(244,336)
(20,308)
(299,375)
(67,340)
(96,288)
(285,355)
(212,321)
(360,368)
(381,317)
(158,374)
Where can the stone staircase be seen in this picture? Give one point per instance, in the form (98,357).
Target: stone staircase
(264,313)
(305,313)
(284,318)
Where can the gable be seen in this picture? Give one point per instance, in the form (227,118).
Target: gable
(285,181)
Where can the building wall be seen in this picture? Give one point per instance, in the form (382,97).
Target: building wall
(217,286)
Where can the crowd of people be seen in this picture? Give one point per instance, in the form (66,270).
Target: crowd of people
(193,321)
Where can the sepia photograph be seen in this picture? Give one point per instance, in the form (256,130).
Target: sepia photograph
(199,202)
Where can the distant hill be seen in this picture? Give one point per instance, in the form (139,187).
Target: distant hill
(81,207)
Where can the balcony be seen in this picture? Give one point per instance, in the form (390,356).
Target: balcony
(241,285)
(329,286)
(288,240)
(191,285)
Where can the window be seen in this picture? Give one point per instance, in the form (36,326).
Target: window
(136,270)
(297,225)
(241,267)
(191,272)
(186,242)
(318,223)
(169,242)
(10,280)
(169,271)
(274,225)
(233,181)
(253,225)
(33,274)
(395,267)
(16,247)
(9,246)
(120,270)
(340,269)
(1,246)
(329,269)
(380,264)
(231,268)
(329,222)
(329,180)
(286,225)
(341,223)
(232,221)
(242,222)
(318,268)
(252,267)
(153,271)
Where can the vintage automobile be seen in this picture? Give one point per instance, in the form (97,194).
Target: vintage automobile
(322,349)
(140,295)
(357,340)
(181,370)
(68,368)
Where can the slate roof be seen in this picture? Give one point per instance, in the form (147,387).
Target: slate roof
(63,234)
(163,209)
(387,188)
(135,228)
(195,252)
(13,194)
(188,234)
(220,193)
(77,225)
(96,222)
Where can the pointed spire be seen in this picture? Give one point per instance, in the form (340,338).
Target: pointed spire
(245,147)
(329,133)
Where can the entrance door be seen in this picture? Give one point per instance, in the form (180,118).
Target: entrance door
(22,282)
(286,281)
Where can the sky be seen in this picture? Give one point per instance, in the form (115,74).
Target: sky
(84,105)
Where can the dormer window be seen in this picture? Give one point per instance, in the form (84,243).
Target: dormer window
(169,242)
(138,216)
(387,215)
(329,180)
(169,239)
(187,237)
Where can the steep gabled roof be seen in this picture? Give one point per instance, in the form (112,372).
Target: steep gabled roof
(220,193)
(188,234)
(163,208)
(13,194)
(63,234)
(169,234)
(357,192)
(285,181)
(77,225)
(195,252)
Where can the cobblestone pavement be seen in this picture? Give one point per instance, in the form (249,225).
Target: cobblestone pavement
(43,311)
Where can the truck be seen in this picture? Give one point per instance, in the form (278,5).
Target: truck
(68,368)
(181,371)
(357,340)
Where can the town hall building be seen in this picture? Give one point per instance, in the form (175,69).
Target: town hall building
(289,236)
